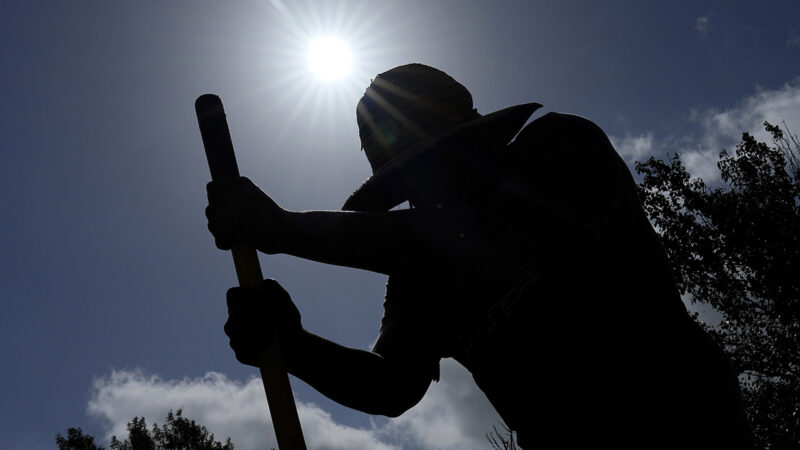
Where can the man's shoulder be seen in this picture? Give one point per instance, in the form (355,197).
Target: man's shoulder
(560,142)
(563,118)
(560,128)
(567,164)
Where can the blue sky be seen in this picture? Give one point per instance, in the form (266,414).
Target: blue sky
(112,290)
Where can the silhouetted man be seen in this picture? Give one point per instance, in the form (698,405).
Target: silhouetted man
(531,262)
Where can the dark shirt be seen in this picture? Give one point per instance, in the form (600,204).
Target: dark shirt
(587,341)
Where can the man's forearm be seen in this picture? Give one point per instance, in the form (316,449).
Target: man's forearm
(355,378)
(393,242)
(379,242)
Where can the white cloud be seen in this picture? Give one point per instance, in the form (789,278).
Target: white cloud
(722,129)
(633,148)
(453,415)
(226,407)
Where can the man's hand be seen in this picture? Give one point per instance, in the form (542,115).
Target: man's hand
(239,212)
(257,315)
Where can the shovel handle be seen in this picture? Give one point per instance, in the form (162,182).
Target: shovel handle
(222,163)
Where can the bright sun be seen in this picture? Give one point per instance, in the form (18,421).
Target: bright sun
(329,58)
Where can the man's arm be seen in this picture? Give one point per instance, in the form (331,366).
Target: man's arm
(412,241)
(384,381)
(408,241)
(360,379)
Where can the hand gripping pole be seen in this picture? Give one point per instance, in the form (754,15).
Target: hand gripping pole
(222,163)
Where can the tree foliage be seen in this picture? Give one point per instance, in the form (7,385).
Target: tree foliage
(178,433)
(736,247)
(76,440)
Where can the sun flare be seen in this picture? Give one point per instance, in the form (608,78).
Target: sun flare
(329,58)
(319,61)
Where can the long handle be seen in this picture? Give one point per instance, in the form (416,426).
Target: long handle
(222,163)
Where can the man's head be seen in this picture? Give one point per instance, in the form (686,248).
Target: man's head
(413,121)
(406,105)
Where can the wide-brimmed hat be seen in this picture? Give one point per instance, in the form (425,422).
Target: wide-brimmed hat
(405,115)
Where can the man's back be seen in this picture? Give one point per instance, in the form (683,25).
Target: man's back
(598,346)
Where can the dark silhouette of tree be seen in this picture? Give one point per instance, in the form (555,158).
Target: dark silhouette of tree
(76,440)
(736,247)
(502,440)
(178,433)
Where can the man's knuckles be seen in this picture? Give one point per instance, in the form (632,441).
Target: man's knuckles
(272,290)
(219,186)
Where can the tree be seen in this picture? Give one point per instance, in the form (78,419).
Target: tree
(76,440)
(736,247)
(502,440)
(177,433)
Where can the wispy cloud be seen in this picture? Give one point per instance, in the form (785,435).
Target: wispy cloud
(453,415)
(634,148)
(719,129)
(794,40)
(723,128)
(702,24)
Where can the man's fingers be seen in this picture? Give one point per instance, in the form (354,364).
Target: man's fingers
(228,328)
(246,351)
(248,356)
(219,226)
(257,316)
(247,340)
(246,330)
(222,244)
(236,298)
(225,213)
(249,306)
(218,188)
(221,235)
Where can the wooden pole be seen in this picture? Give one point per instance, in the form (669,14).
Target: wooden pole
(222,163)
